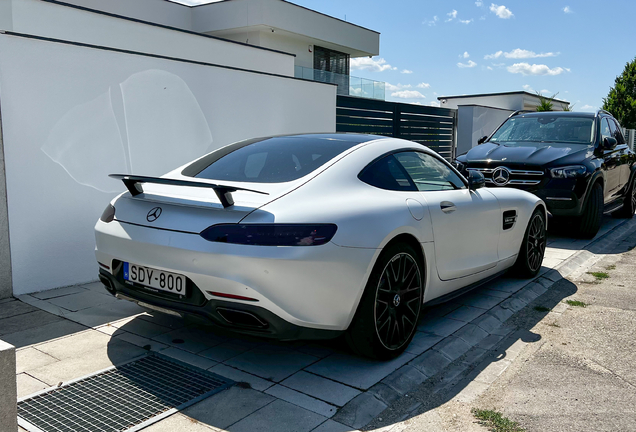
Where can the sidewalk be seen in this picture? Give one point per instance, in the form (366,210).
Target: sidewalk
(74,331)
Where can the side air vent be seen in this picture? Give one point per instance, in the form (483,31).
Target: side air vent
(509,219)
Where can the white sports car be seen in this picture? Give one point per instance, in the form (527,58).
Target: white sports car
(312,236)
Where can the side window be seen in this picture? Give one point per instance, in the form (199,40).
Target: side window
(616,132)
(428,173)
(387,173)
(605,129)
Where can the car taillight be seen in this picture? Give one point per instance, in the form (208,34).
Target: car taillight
(271,234)
(108,215)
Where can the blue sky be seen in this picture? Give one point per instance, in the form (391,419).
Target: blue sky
(573,47)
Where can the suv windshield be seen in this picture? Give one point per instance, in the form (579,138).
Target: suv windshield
(548,128)
(272,160)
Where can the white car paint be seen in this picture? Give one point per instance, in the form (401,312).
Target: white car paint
(318,287)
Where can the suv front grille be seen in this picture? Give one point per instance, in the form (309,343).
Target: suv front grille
(513,177)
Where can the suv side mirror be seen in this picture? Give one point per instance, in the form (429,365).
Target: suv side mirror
(609,143)
(482,140)
(476,180)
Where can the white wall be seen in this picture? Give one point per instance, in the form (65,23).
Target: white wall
(72,115)
(60,22)
(474,122)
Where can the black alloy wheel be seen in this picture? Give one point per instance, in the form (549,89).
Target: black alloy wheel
(533,246)
(390,307)
(398,301)
(629,206)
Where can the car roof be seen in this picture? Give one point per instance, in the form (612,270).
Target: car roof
(557,114)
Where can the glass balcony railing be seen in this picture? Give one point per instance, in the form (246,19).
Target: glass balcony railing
(347,85)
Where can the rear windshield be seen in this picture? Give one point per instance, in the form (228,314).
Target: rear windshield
(272,160)
(551,129)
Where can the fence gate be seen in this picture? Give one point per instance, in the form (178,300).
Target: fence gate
(429,126)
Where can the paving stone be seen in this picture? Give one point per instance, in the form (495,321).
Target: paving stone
(105,313)
(193,339)
(187,357)
(450,377)
(384,393)
(526,295)
(499,294)
(302,400)
(58,292)
(430,363)
(471,392)
(489,342)
(492,371)
(255,382)
(279,416)
(487,322)
(141,327)
(422,342)
(546,283)
(179,422)
(46,332)
(321,388)
(466,313)
(452,347)
(273,365)
(553,275)
(508,285)
(405,379)
(7,300)
(30,358)
(227,407)
(164,320)
(27,385)
(501,313)
(538,289)
(356,371)
(14,308)
(332,426)
(442,326)
(471,334)
(474,355)
(504,330)
(227,350)
(482,301)
(81,300)
(142,342)
(76,345)
(316,350)
(514,304)
(360,411)
(25,321)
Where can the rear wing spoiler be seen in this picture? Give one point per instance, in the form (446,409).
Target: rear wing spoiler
(224,193)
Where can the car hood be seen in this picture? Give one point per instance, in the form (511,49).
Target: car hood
(528,153)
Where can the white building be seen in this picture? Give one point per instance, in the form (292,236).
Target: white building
(92,87)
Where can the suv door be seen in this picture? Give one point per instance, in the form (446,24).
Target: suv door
(611,163)
(466,224)
(623,153)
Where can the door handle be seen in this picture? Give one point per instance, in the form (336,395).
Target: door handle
(447,206)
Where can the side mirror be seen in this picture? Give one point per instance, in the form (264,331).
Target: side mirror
(482,140)
(476,180)
(609,143)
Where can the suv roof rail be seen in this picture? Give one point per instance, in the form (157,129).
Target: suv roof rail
(603,111)
(519,112)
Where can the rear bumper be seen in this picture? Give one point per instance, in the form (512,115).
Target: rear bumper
(230,316)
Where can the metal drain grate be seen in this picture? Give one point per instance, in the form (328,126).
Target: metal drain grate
(123,398)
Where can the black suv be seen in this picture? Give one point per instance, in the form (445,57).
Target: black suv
(578,163)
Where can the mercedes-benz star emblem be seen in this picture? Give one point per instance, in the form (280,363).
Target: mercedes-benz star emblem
(396,300)
(153,214)
(501,176)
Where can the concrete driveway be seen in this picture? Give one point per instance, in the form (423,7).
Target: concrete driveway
(74,331)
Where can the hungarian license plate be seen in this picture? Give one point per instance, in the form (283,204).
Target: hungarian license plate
(158,279)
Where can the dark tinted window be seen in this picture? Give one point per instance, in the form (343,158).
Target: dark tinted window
(616,132)
(387,173)
(429,173)
(274,160)
(548,128)
(606,132)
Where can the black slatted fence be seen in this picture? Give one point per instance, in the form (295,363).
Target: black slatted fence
(429,126)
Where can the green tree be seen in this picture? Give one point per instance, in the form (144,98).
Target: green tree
(621,100)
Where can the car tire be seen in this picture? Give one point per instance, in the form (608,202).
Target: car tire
(533,246)
(590,220)
(629,207)
(390,307)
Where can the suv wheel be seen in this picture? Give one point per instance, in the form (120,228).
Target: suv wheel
(590,220)
(629,207)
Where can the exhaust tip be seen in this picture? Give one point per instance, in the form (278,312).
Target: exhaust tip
(107,284)
(241,318)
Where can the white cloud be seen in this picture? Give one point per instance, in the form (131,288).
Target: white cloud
(452,14)
(587,107)
(465,55)
(423,85)
(479,3)
(544,91)
(519,54)
(470,64)
(466,21)
(433,21)
(370,64)
(408,94)
(528,88)
(489,68)
(535,69)
(406,71)
(501,11)
(568,10)
(394,88)
(435,104)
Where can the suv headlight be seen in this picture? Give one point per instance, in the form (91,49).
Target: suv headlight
(568,171)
